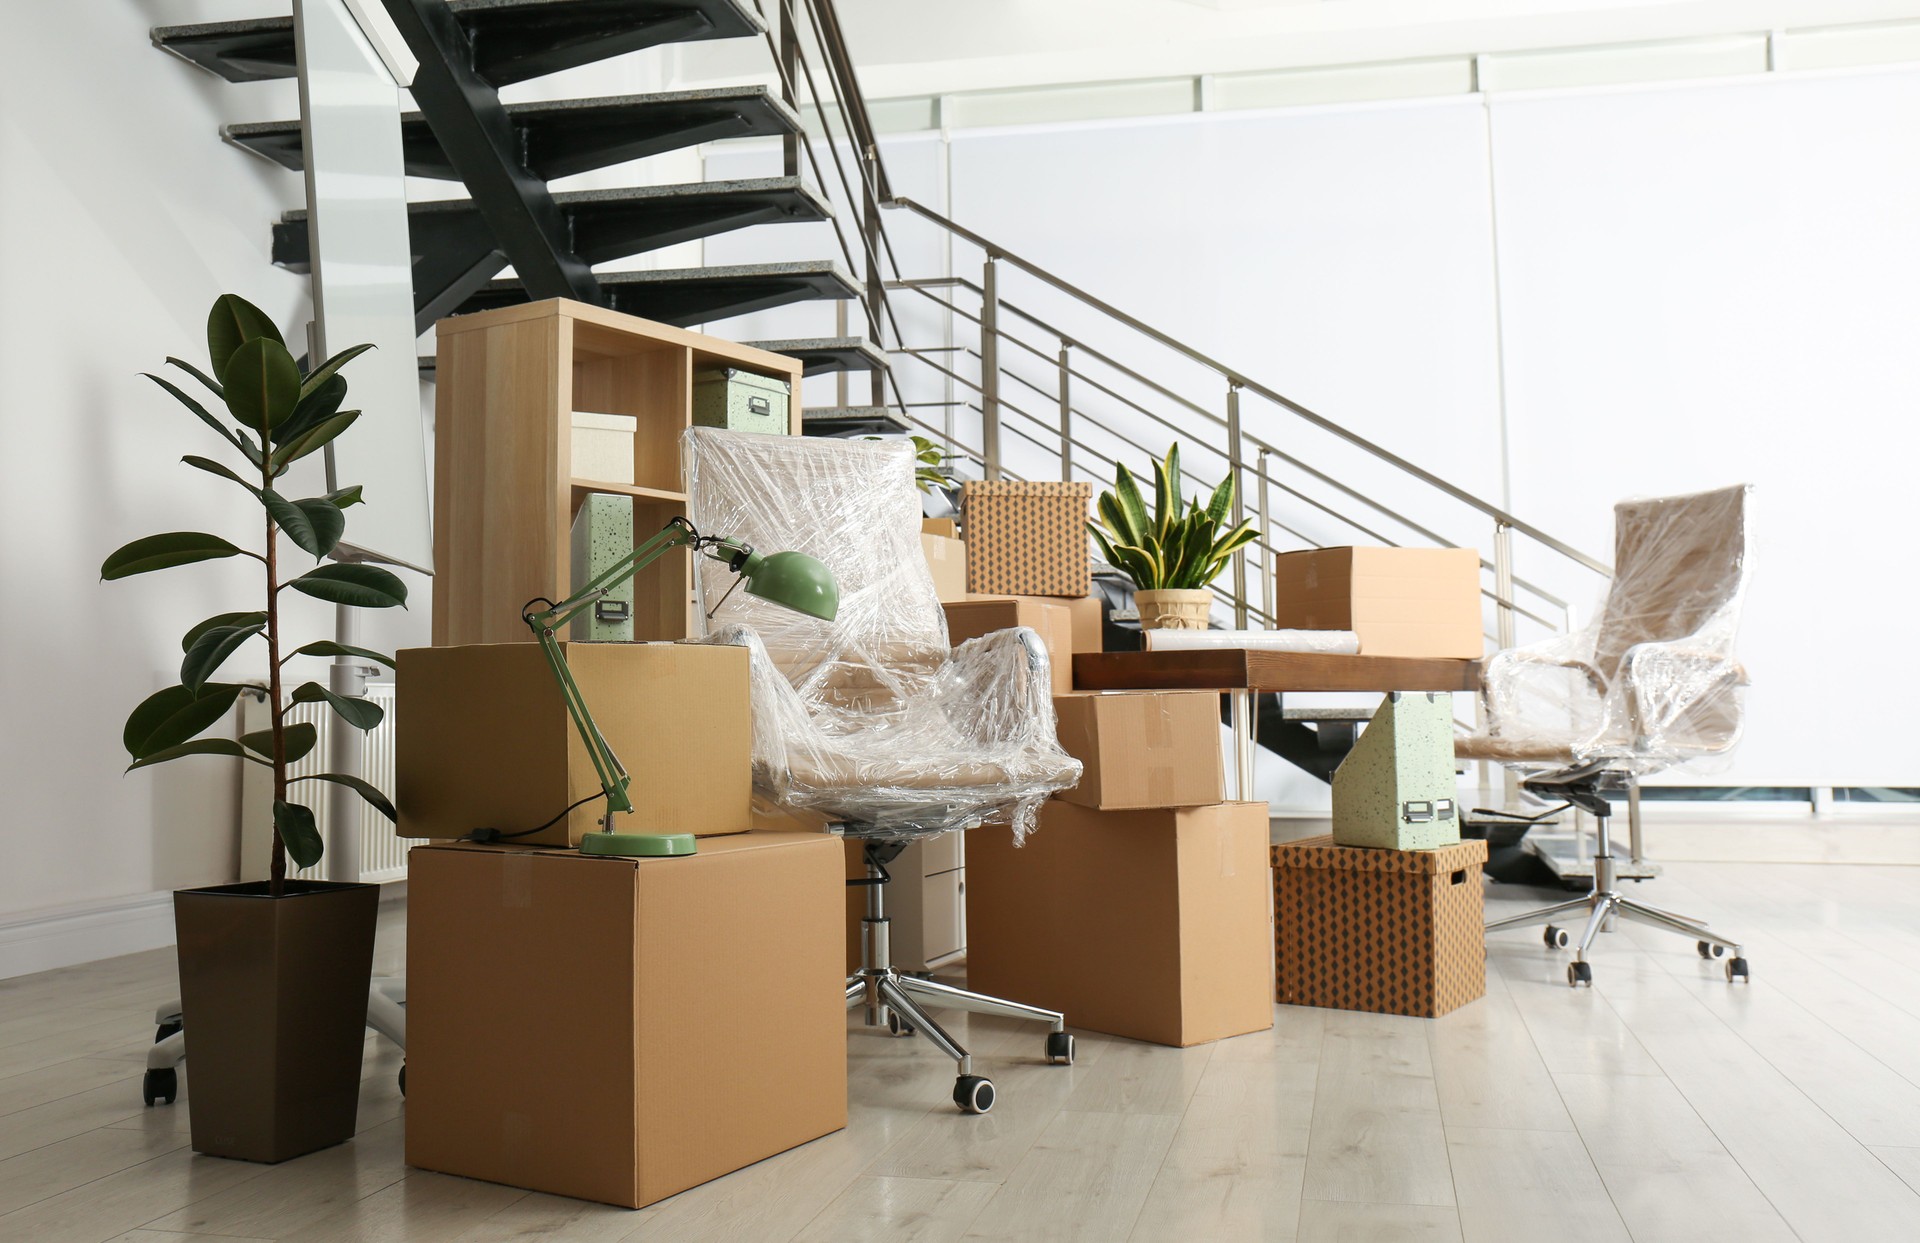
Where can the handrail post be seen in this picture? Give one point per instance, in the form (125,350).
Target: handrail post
(1503,583)
(990,368)
(1066,411)
(876,291)
(1268,581)
(1234,461)
(789,66)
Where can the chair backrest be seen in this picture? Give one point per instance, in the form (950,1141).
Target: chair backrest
(854,505)
(1680,569)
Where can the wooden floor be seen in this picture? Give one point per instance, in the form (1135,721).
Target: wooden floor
(1662,1105)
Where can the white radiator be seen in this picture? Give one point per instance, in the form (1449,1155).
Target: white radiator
(383,855)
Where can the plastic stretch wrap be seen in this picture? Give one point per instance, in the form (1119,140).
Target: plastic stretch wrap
(1653,682)
(870,719)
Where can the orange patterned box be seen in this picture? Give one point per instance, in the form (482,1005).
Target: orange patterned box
(1027,539)
(1391,931)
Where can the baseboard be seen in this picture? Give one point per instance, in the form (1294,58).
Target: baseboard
(66,936)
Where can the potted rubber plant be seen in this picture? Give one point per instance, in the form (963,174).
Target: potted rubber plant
(1174,553)
(273,974)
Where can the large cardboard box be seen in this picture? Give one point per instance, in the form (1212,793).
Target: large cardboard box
(567,1028)
(947,562)
(1027,538)
(1083,613)
(1153,925)
(1400,601)
(1142,749)
(1391,931)
(486,742)
(1050,619)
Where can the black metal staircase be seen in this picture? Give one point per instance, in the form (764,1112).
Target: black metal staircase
(507,153)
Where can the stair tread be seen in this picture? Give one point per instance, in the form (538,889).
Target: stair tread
(568,136)
(686,296)
(827,354)
(261,48)
(841,420)
(619,196)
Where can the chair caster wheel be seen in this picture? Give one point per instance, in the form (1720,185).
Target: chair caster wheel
(160,1086)
(1556,938)
(1736,970)
(1060,1048)
(897,1026)
(403,1081)
(166,1029)
(1579,973)
(1709,951)
(973,1094)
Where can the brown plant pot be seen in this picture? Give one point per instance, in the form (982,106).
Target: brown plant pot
(1174,608)
(273,993)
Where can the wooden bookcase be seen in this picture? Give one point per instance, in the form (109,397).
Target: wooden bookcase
(508,382)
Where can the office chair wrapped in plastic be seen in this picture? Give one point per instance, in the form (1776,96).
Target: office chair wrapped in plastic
(871,721)
(1651,684)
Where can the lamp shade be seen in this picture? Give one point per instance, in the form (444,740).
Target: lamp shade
(795,580)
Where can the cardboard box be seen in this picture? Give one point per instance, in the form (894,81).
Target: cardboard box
(1400,601)
(1142,749)
(486,742)
(1027,539)
(1083,612)
(603,447)
(940,526)
(1391,931)
(947,560)
(1153,925)
(564,1032)
(975,616)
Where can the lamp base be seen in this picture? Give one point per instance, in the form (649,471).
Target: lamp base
(638,845)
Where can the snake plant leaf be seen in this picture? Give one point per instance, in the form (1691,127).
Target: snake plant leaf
(327,370)
(1221,502)
(362,586)
(170,717)
(301,735)
(188,639)
(212,384)
(362,714)
(210,650)
(315,524)
(199,746)
(327,647)
(298,833)
(262,384)
(231,323)
(345,497)
(1132,509)
(1100,541)
(1235,539)
(1176,485)
(162,552)
(1164,500)
(1143,565)
(313,409)
(226,433)
(313,438)
(1108,508)
(375,799)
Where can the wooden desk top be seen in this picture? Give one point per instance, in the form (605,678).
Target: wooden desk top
(1226,669)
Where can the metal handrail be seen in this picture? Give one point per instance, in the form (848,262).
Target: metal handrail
(1240,379)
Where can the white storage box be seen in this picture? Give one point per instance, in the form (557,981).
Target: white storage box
(603,447)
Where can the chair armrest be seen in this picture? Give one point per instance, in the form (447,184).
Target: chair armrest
(1539,657)
(1665,683)
(1004,672)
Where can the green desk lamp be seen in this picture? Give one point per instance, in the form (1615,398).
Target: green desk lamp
(791,579)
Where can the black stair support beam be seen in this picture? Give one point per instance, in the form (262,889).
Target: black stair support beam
(564,157)
(474,130)
(578,34)
(451,271)
(606,236)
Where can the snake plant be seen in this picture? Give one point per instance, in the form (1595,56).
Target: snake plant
(1173,548)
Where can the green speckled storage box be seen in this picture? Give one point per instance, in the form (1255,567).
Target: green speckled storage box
(602,534)
(1396,788)
(742,401)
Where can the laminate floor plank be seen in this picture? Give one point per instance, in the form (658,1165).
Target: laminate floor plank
(1083,1181)
(1377,1133)
(1529,1187)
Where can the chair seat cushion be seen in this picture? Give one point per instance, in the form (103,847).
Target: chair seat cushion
(1511,750)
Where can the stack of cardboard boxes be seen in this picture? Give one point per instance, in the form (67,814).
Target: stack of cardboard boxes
(1140,905)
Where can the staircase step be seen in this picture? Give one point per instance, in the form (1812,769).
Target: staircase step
(513,39)
(851,421)
(822,355)
(603,224)
(685,296)
(569,136)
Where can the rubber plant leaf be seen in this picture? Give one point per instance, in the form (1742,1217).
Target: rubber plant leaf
(206,416)
(220,619)
(261,384)
(231,323)
(326,370)
(360,713)
(306,442)
(170,717)
(362,586)
(199,746)
(212,384)
(298,833)
(301,735)
(162,552)
(210,650)
(313,409)
(375,799)
(316,524)
(327,647)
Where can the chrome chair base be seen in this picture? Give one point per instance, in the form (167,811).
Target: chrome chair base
(900,1002)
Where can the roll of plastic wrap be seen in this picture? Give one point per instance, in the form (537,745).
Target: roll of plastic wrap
(1327,642)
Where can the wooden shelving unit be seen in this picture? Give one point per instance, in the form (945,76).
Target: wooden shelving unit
(504,488)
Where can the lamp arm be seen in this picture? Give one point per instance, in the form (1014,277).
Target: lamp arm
(678,533)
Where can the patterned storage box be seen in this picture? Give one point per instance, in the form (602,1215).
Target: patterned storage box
(1391,931)
(1027,539)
